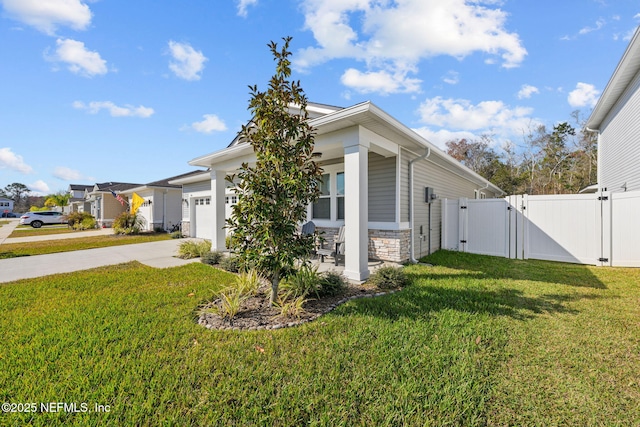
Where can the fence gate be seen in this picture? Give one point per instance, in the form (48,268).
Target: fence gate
(597,229)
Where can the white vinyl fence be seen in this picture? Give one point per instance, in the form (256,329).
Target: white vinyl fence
(597,229)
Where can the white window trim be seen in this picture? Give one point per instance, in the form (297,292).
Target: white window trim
(333,171)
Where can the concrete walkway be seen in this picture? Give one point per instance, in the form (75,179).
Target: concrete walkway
(7,229)
(154,254)
(61,236)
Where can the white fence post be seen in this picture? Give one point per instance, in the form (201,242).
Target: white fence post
(462,224)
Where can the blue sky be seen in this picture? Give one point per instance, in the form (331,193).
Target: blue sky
(115,90)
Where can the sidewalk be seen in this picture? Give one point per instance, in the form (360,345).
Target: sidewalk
(7,229)
(74,235)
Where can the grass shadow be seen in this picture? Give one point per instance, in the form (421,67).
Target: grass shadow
(10,254)
(532,270)
(422,301)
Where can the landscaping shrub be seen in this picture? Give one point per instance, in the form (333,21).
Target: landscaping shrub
(128,223)
(331,284)
(231,264)
(389,278)
(304,282)
(230,303)
(193,249)
(248,282)
(211,258)
(81,221)
(176,235)
(290,307)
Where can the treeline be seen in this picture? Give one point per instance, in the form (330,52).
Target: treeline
(547,161)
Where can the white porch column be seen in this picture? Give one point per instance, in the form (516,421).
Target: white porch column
(356,209)
(218,189)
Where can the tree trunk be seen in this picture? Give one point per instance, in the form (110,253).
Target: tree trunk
(275,282)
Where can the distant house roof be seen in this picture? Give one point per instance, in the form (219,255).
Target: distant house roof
(5,200)
(114,186)
(165,183)
(80,187)
(624,73)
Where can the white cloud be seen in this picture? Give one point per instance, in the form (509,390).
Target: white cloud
(382,82)
(599,24)
(526,91)
(78,58)
(187,62)
(583,95)
(11,160)
(114,110)
(452,78)
(67,174)
(39,187)
(48,15)
(395,36)
(210,123)
(243,5)
(442,136)
(486,117)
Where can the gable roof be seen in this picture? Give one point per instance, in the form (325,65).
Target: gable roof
(314,110)
(627,69)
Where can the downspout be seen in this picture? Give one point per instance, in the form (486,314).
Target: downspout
(411,209)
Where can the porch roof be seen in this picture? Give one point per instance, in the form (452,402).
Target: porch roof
(371,117)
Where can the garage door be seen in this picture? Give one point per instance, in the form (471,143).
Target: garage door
(203,217)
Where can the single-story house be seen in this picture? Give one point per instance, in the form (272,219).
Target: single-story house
(105,207)
(382,181)
(78,202)
(616,118)
(6,205)
(162,207)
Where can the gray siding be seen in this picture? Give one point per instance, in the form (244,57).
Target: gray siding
(382,188)
(196,186)
(446,184)
(619,141)
(404,186)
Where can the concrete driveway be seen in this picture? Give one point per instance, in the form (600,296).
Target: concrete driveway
(154,254)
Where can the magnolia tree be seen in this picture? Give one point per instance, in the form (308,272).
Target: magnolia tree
(273,194)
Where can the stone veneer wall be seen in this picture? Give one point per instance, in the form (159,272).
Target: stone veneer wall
(186,228)
(389,245)
(385,245)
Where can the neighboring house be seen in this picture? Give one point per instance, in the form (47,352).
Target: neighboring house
(103,205)
(6,205)
(616,118)
(163,202)
(78,202)
(376,175)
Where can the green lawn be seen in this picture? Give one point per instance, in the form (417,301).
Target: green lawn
(472,341)
(27,230)
(12,250)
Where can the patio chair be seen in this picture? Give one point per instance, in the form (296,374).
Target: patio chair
(308,228)
(336,251)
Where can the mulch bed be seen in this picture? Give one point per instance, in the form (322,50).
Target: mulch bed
(256,313)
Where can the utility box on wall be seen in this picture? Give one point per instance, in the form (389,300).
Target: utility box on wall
(429,195)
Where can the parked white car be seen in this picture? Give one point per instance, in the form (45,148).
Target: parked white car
(38,219)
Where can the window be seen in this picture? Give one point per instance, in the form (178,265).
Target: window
(330,205)
(483,195)
(322,207)
(340,195)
